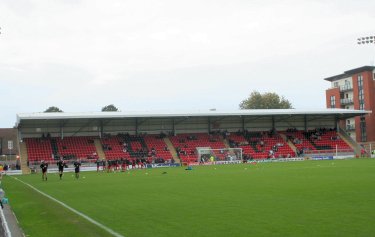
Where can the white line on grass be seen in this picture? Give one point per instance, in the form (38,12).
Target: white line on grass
(73,210)
(5,224)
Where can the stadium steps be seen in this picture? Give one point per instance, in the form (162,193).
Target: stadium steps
(129,140)
(290,144)
(23,156)
(254,146)
(99,149)
(55,148)
(353,144)
(172,150)
(226,143)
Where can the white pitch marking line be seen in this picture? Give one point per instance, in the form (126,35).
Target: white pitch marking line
(5,224)
(73,210)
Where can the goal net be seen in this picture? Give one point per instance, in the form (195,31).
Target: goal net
(223,155)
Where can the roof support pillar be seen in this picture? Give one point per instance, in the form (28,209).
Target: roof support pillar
(243,123)
(305,122)
(209,125)
(101,129)
(19,137)
(136,126)
(273,123)
(61,132)
(173,127)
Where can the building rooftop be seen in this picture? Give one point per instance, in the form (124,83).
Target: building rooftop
(349,73)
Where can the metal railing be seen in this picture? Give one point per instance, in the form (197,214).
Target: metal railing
(346,87)
(350,127)
(347,101)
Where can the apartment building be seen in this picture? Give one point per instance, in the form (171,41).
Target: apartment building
(355,89)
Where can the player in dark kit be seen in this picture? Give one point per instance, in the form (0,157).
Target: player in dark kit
(61,164)
(98,162)
(77,164)
(44,167)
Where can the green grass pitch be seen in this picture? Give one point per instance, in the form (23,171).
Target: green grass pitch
(309,198)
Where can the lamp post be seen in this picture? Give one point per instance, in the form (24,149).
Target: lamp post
(366,40)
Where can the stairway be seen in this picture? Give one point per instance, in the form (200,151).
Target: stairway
(353,144)
(99,149)
(55,148)
(290,144)
(172,150)
(226,143)
(23,158)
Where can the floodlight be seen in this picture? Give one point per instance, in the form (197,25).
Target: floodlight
(366,40)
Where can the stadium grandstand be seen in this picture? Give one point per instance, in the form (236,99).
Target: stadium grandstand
(175,138)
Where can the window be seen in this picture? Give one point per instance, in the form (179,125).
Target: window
(360,81)
(333,101)
(336,84)
(361,96)
(362,126)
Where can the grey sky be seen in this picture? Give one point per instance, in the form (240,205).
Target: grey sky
(81,55)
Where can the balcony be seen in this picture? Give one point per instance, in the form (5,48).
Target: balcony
(346,101)
(350,127)
(347,87)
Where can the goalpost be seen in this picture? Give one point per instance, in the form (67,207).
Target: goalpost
(219,156)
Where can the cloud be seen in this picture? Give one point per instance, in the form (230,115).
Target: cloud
(82,55)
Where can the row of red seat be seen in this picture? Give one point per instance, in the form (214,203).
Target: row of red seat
(259,145)
(113,148)
(154,142)
(325,140)
(41,148)
(38,149)
(186,145)
(81,147)
(118,147)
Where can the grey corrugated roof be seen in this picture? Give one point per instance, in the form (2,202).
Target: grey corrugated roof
(200,113)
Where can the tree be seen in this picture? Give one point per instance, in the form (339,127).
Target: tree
(268,100)
(53,109)
(109,108)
